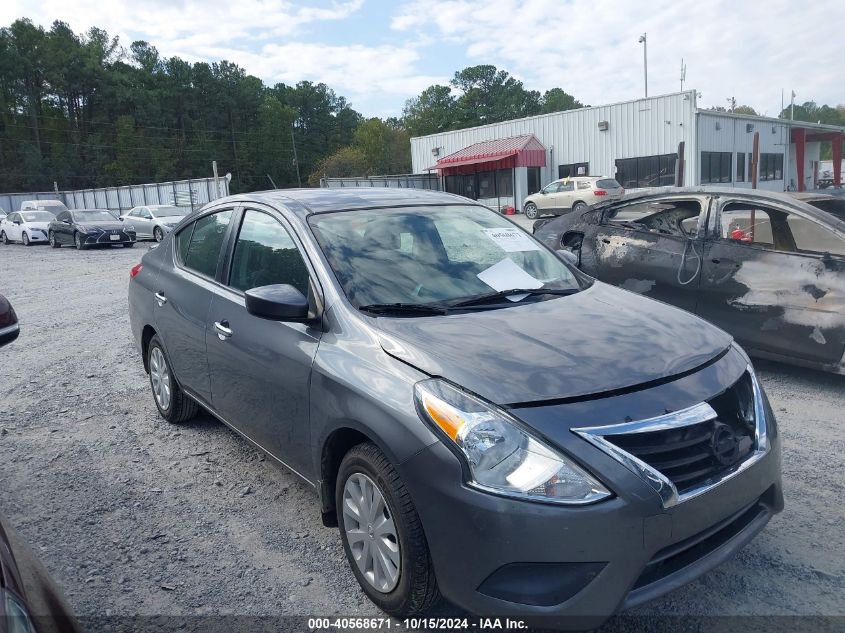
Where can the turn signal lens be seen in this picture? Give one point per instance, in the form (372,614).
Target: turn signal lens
(502,456)
(133,272)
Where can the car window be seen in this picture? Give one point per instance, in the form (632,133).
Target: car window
(183,240)
(607,183)
(752,224)
(203,251)
(265,254)
(678,218)
(566,186)
(428,255)
(583,185)
(13,217)
(64,215)
(812,237)
(145,214)
(551,187)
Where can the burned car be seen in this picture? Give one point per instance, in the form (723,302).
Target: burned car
(769,268)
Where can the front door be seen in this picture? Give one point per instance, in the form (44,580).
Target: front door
(260,369)
(652,248)
(183,297)
(773,278)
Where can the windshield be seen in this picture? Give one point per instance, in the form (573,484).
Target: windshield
(434,255)
(37,216)
(170,212)
(93,215)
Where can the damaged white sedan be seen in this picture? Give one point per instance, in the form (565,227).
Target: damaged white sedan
(767,267)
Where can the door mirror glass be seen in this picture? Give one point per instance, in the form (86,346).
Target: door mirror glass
(568,256)
(280,302)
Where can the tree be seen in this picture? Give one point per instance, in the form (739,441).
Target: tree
(434,110)
(489,95)
(386,149)
(345,162)
(556,100)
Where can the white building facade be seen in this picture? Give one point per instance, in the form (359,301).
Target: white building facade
(637,142)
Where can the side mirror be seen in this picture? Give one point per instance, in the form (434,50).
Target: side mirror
(568,256)
(279,302)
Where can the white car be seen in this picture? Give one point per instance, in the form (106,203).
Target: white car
(577,194)
(27,227)
(154,220)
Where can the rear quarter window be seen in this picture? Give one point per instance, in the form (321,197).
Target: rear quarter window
(607,183)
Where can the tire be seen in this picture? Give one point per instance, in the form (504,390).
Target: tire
(128,244)
(77,240)
(54,243)
(531,212)
(25,239)
(158,234)
(580,207)
(179,407)
(5,238)
(415,591)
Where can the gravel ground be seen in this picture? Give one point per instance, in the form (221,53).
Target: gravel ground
(135,517)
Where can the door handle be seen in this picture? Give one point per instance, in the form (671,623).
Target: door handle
(160,298)
(223,330)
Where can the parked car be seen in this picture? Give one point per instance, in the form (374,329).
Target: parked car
(480,419)
(85,228)
(571,194)
(154,221)
(27,227)
(52,206)
(767,267)
(30,602)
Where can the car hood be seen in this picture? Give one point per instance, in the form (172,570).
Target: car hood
(102,226)
(36,225)
(598,340)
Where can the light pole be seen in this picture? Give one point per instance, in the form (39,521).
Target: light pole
(643,41)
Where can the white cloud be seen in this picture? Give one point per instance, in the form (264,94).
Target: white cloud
(743,49)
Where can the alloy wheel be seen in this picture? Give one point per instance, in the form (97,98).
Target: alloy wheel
(371,533)
(157,233)
(530,211)
(25,239)
(160,378)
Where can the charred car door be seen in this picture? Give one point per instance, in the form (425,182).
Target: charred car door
(774,277)
(652,247)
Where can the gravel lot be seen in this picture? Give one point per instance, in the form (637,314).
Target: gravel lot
(137,517)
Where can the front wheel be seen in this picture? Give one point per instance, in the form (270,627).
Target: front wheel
(530,211)
(158,234)
(382,534)
(128,244)
(53,241)
(77,239)
(25,239)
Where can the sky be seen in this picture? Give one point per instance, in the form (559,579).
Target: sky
(378,53)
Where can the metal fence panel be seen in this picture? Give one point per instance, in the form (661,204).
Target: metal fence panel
(403,181)
(192,194)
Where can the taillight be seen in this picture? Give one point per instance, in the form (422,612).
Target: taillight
(133,272)
(600,192)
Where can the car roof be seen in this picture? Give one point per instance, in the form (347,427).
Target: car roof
(304,202)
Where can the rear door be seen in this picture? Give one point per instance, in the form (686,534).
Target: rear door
(260,368)
(774,278)
(183,294)
(652,247)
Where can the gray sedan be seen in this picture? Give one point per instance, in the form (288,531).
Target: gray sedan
(154,221)
(480,420)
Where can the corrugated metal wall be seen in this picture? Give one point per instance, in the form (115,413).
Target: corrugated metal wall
(644,127)
(191,193)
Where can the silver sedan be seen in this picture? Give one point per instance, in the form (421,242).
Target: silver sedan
(154,221)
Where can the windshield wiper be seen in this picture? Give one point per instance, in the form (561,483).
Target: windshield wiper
(404,308)
(492,296)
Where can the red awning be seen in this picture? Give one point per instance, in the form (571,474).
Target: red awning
(515,151)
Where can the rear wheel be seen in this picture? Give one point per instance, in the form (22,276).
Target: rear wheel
(580,207)
(53,241)
(172,403)
(530,211)
(382,534)
(25,239)
(158,234)
(77,239)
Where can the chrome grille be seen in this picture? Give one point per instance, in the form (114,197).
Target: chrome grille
(685,453)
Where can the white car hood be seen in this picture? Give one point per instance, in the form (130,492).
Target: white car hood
(36,225)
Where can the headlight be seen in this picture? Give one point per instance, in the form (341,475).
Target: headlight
(17,619)
(503,458)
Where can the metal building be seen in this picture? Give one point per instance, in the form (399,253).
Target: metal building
(637,142)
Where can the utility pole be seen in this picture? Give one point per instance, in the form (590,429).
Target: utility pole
(732,102)
(644,42)
(295,159)
(683,73)
(216,180)
(792,107)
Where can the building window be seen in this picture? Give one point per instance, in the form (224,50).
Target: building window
(482,185)
(504,182)
(573,169)
(715,167)
(646,171)
(740,166)
(771,166)
(533,180)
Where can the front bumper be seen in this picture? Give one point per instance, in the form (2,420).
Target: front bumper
(37,236)
(107,237)
(573,567)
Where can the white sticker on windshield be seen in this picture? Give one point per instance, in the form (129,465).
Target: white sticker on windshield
(511,240)
(506,275)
